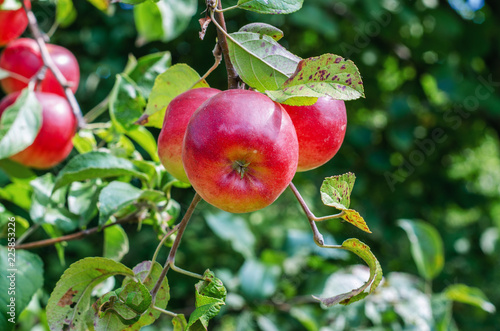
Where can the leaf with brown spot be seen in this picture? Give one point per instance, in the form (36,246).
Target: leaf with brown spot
(70,300)
(327,75)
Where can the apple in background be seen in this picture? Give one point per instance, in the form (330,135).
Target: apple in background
(12,23)
(240,150)
(320,130)
(54,140)
(177,116)
(23,57)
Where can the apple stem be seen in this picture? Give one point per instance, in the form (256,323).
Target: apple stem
(171,256)
(232,75)
(47,60)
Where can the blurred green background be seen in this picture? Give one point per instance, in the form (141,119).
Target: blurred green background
(423,144)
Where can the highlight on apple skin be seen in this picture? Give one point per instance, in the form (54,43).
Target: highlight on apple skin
(23,58)
(320,130)
(240,150)
(53,142)
(12,23)
(177,116)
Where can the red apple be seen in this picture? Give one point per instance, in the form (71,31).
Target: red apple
(53,142)
(12,23)
(23,57)
(176,119)
(240,150)
(320,130)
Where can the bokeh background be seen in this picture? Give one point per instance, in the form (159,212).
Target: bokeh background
(423,144)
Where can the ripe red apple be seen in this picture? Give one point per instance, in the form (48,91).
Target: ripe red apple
(240,150)
(23,57)
(12,23)
(176,119)
(320,130)
(53,142)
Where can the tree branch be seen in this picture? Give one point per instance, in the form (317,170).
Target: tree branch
(47,60)
(232,75)
(171,256)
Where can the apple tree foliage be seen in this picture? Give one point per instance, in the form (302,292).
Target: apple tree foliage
(114,178)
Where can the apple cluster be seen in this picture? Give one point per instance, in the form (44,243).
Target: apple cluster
(22,60)
(240,150)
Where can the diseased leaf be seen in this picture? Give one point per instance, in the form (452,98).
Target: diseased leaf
(96,165)
(176,80)
(69,302)
(25,269)
(271,6)
(336,192)
(179,322)
(364,252)
(325,75)
(263,29)
(426,247)
(19,124)
(469,295)
(260,61)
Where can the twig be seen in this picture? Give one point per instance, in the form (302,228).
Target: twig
(77,235)
(232,75)
(318,237)
(171,256)
(47,60)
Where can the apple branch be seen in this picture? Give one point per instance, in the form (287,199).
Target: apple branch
(169,264)
(48,63)
(232,75)
(318,237)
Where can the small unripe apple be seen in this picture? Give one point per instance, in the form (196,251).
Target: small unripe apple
(12,23)
(23,58)
(320,130)
(177,116)
(53,142)
(240,150)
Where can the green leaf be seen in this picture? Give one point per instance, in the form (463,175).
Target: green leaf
(233,228)
(325,75)
(82,200)
(118,195)
(115,243)
(263,29)
(96,165)
(336,192)
(19,124)
(65,12)
(179,322)
(70,300)
(131,2)
(102,5)
(164,20)
(260,61)
(148,68)
(162,297)
(258,281)
(469,295)
(176,80)
(126,103)
(210,297)
(18,193)
(53,232)
(271,6)
(16,172)
(144,138)
(84,141)
(22,276)
(363,251)
(426,247)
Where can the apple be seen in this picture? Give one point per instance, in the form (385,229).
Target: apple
(320,130)
(240,150)
(12,23)
(23,57)
(53,142)
(176,119)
